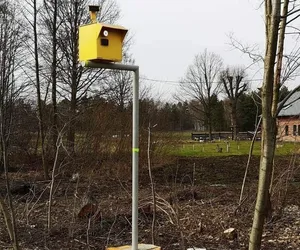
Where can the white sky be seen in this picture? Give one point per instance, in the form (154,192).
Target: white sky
(169,33)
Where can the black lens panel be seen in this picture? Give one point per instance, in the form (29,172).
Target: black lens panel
(104,42)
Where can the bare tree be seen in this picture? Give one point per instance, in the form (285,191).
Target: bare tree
(51,23)
(12,36)
(30,13)
(278,69)
(276,21)
(38,88)
(234,85)
(201,83)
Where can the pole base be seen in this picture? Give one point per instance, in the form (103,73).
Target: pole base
(140,247)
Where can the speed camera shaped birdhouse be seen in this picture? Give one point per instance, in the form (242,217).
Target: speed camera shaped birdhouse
(100,42)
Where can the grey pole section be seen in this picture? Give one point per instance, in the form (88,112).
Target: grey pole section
(91,64)
(135,139)
(135,160)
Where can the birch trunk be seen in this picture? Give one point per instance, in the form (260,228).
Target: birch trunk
(262,206)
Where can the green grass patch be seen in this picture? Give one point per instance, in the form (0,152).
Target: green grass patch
(207,149)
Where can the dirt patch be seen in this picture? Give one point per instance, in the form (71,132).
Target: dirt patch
(197,201)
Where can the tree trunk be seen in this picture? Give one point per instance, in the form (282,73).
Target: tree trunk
(234,120)
(210,131)
(279,57)
(74,83)
(53,76)
(263,205)
(72,117)
(38,89)
(268,126)
(209,124)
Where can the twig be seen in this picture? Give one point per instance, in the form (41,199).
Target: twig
(83,243)
(74,207)
(7,219)
(152,186)
(248,162)
(109,232)
(58,144)
(87,233)
(12,225)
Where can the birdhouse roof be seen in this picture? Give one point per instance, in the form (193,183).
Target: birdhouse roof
(291,106)
(110,26)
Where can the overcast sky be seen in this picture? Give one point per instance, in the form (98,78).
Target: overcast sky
(169,33)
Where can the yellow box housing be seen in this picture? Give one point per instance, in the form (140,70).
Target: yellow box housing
(140,247)
(101,42)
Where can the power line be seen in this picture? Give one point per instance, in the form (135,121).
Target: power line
(157,80)
(174,82)
(170,82)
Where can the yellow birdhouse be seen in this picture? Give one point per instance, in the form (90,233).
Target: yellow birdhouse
(100,42)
